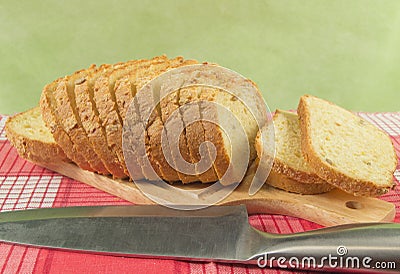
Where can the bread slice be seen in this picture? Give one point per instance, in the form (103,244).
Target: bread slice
(175,135)
(33,140)
(156,125)
(52,121)
(194,132)
(114,107)
(116,87)
(231,110)
(89,116)
(125,92)
(105,101)
(229,115)
(150,157)
(344,149)
(289,171)
(66,108)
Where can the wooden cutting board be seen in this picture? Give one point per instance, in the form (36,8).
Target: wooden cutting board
(328,209)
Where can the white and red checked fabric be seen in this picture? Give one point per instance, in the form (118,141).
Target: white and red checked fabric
(24,185)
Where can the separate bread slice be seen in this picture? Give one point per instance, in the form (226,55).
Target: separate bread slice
(344,149)
(33,140)
(52,121)
(289,171)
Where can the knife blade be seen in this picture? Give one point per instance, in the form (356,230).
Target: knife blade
(217,233)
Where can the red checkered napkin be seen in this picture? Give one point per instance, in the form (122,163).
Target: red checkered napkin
(24,185)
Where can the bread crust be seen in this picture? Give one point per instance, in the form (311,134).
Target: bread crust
(70,120)
(170,112)
(109,116)
(284,182)
(212,132)
(88,112)
(119,106)
(188,101)
(327,172)
(156,124)
(125,92)
(37,151)
(122,93)
(52,122)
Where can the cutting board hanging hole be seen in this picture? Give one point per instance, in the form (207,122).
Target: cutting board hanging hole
(354,205)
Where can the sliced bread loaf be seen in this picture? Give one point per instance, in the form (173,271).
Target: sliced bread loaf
(289,171)
(344,149)
(86,115)
(33,140)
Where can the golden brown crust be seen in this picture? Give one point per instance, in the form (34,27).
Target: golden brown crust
(170,112)
(284,182)
(150,131)
(301,176)
(154,127)
(125,92)
(109,118)
(51,120)
(190,110)
(328,172)
(213,133)
(38,151)
(70,120)
(88,112)
(138,71)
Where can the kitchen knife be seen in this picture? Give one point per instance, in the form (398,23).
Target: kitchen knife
(217,233)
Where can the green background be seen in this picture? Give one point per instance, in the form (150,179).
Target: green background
(345,51)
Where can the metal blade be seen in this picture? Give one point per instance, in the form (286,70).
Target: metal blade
(211,233)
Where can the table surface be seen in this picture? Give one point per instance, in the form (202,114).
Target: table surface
(343,51)
(24,185)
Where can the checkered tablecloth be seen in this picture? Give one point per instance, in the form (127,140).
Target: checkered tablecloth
(24,185)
